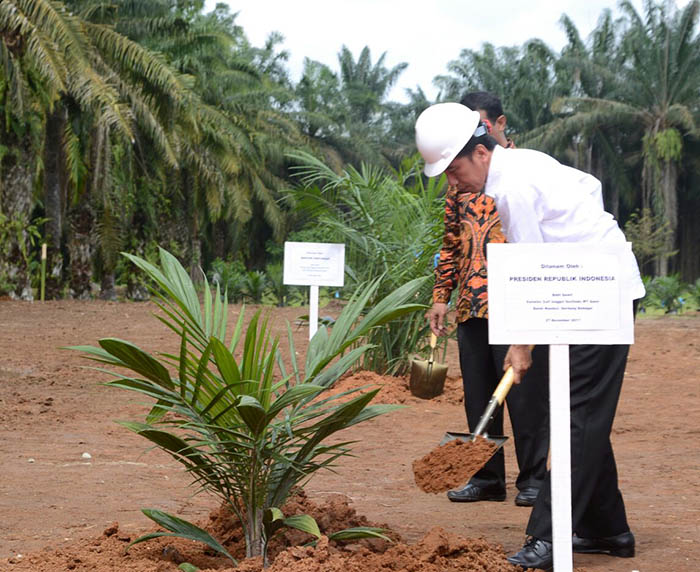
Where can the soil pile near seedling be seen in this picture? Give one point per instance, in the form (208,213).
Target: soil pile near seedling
(437,551)
(331,515)
(451,465)
(395,390)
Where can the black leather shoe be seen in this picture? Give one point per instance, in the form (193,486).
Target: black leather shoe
(527,496)
(621,545)
(536,553)
(474,493)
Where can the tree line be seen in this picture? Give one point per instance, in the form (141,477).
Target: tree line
(128,125)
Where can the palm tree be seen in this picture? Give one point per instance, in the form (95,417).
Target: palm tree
(589,70)
(366,85)
(88,75)
(345,114)
(245,130)
(652,101)
(524,78)
(20,141)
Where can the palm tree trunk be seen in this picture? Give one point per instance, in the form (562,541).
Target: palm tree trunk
(688,238)
(614,201)
(54,203)
(108,290)
(81,219)
(16,188)
(589,157)
(80,249)
(669,199)
(195,241)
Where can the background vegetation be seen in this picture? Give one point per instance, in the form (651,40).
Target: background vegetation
(127,125)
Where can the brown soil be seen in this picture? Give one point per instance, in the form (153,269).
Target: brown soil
(396,390)
(56,502)
(437,551)
(451,465)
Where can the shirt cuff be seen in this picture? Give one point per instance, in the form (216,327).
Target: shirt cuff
(441,296)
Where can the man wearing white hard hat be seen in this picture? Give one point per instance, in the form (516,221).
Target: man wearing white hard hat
(471,223)
(540,200)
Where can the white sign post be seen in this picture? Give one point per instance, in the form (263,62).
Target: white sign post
(314,264)
(559,294)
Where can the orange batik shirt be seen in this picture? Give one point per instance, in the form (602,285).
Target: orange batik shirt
(471,222)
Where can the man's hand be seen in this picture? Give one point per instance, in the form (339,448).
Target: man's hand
(520,358)
(436,316)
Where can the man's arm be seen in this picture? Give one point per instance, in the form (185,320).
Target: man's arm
(446,271)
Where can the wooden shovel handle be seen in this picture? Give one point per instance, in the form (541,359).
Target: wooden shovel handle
(505,384)
(433,343)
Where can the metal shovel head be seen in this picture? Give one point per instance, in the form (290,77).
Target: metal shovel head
(498,440)
(427,378)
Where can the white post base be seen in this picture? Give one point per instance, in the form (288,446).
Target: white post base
(560,443)
(313,310)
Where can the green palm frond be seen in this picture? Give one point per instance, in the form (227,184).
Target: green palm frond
(40,49)
(73,150)
(128,55)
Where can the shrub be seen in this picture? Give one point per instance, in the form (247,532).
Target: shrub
(694,293)
(392,227)
(255,285)
(229,277)
(18,262)
(275,275)
(665,292)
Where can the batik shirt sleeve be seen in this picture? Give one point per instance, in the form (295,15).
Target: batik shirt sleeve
(446,271)
(471,222)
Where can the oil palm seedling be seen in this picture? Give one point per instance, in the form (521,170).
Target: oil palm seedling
(243,433)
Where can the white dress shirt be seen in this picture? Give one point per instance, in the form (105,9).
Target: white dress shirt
(541,200)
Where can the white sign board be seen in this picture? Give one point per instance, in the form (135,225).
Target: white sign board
(314,264)
(558,293)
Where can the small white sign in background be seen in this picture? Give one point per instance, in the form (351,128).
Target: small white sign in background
(314,264)
(559,294)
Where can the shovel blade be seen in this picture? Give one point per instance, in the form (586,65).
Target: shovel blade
(427,378)
(498,440)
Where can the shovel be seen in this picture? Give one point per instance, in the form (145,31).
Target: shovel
(427,377)
(497,399)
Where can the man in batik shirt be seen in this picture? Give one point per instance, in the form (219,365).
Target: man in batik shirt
(471,222)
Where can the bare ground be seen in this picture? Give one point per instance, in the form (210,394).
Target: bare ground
(52,411)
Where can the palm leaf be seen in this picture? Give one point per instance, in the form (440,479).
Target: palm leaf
(181,529)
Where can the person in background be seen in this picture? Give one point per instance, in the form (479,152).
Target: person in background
(490,109)
(471,222)
(540,200)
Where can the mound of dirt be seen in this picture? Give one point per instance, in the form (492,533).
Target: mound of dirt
(395,390)
(437,551)
(452,464)
(289,551)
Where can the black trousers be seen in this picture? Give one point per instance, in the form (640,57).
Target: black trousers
(528,404)
(596,374)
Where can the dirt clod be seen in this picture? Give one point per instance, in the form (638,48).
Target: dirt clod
(452,464)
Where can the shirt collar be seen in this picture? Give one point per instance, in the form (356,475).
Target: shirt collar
(496,167)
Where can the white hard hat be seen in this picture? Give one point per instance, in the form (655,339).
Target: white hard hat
(442,131)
